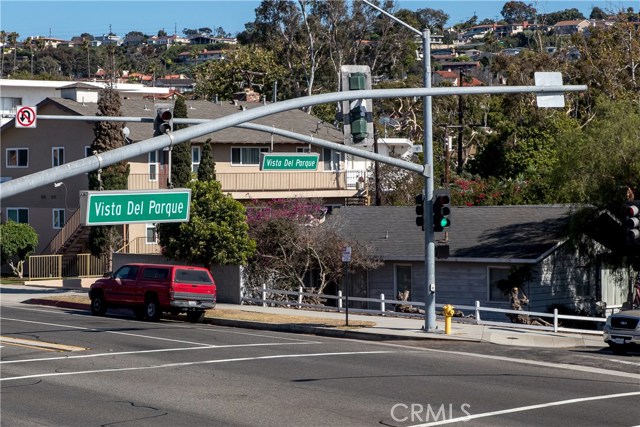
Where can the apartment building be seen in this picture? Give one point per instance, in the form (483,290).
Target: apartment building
(53,209)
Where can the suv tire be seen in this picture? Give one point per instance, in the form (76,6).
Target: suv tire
(98,304)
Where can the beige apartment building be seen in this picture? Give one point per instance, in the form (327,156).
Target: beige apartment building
(53,210)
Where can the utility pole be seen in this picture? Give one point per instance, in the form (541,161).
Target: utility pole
(429,243)
(460,125)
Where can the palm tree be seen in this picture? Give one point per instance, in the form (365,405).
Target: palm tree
(86,45)
(3,39)
(13,41)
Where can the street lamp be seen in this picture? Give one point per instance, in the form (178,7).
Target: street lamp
(429,243)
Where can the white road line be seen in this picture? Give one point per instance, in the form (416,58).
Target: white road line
(202,362)
(528,408)
(226,330)
(160,350)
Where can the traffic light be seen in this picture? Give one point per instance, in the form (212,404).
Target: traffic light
(441,210)
(632,222)
(357,115)
(420,211)
(163,121)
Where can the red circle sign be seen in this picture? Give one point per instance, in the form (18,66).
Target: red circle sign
(25,117)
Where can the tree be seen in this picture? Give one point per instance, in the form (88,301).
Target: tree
(207,168)
(432,18)
(108,136)
(517,11)
(180,153)
(12,38)
(162,33)
(217,231)
(293,241)
(18,242)
(239,70)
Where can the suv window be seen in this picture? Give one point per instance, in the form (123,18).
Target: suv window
(193,276)
(127,272)
(155,273)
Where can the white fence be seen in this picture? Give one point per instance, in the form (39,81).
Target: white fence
(265,299)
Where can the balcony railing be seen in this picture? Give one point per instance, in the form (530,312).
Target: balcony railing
(267,181)
(139,245)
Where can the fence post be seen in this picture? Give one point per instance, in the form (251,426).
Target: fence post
(555,320)
(477,312)
(299,296)
(264,295)
(382,305)
(339,300)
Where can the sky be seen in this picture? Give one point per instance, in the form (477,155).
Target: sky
(65,19)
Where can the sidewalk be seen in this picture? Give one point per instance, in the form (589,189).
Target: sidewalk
(385,328)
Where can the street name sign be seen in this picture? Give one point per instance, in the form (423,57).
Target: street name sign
(289,161)
(115,207)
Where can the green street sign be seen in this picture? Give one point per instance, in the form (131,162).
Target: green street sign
(289,161)
(132,206)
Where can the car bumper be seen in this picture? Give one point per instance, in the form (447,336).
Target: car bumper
(621,338)
(193,305)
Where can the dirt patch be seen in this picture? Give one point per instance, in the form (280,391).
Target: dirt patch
(250,316)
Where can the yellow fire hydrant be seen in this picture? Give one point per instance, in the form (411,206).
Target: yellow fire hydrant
(447,312)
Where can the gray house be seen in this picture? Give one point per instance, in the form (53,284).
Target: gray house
(485,244)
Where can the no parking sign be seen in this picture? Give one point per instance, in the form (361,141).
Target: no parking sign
(26,117)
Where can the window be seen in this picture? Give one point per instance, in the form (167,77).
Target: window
(497,274)
(402,275)
(58,218)
(152,234)
(17,157)
(155,273)
(153,166)
(331,159)
(585,280)
(19,215)
(193,276)
(57,156)
(195,159)
(87,151)
(247,155)
(127,272)
(303,150)
(9,104)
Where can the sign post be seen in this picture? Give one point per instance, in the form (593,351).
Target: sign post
(130,207)
(346,259)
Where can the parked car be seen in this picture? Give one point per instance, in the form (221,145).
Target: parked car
(151,289)
(622,331)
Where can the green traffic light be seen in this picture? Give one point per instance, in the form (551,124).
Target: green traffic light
(444,222)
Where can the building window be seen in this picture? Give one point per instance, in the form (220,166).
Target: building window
(57,156)
(303,150)
(9,104)
(402,276)
(87,151)
(152,234)
(497,274)
(19,215)
(195,159)
(585,280)
(17,157)
(58,218)
(153,166)
(331,159)
(247,155)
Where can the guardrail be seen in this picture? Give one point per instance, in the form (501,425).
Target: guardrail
(265,299)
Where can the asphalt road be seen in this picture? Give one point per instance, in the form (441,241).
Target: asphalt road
(125,372)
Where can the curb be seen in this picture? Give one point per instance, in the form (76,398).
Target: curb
(292,328)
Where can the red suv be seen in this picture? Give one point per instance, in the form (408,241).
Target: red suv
(150,289)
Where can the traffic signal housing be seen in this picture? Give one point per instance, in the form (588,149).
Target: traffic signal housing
(420,211)
(163,121)
(632,222)
(357,115)
(441,210)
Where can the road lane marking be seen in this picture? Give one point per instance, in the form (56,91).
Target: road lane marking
(201,362)
(43,345)
(528,408)
(160,350)
(219,328)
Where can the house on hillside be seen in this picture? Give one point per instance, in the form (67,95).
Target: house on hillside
(571,27)
(485,245)
(53,210)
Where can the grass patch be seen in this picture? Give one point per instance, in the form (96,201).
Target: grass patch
(251,316)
